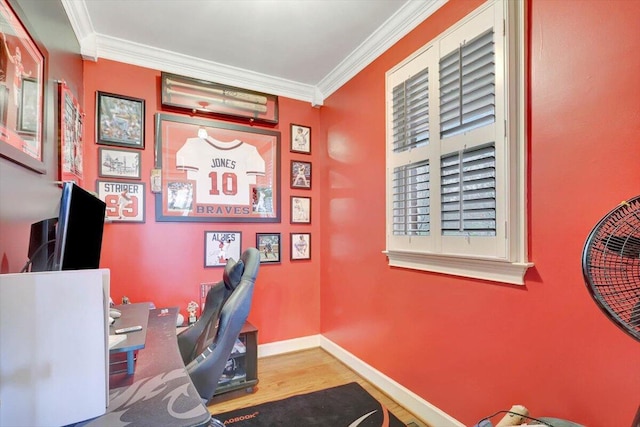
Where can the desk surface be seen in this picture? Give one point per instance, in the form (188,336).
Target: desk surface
(132,315)
(160,392)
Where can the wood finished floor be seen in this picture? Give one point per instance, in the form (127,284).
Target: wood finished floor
(302,372)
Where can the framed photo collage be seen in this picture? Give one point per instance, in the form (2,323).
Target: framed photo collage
(187,184)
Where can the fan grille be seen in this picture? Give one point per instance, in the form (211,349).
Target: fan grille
(611,265)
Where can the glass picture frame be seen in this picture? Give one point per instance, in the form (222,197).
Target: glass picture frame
(71,153)
(300,174)
(217,171)
(22,89)
(220,246)
(119,163)
(201,97)
(119,120)
(300,139)
(270,247)
(125,200)
(300,210)
(300,246)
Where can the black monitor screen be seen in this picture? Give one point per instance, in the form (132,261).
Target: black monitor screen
(79,230)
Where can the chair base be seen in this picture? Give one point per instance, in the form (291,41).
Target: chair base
(215,423)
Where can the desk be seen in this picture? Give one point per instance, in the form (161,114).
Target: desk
(132,315)
(160,391)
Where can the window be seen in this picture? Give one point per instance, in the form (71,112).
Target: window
(456,150)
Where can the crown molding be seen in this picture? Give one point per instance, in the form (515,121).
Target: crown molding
(94,46)
(145,56)
(397,26)
(82,27)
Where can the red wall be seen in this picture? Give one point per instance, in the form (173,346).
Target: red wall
(471,347)
(163,262)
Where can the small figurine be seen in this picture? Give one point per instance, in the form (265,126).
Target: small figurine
(192,307)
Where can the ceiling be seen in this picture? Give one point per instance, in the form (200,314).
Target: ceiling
(302,49)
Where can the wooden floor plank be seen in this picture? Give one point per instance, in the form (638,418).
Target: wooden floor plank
(289,374)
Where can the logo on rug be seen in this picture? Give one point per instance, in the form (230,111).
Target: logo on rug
(241,418)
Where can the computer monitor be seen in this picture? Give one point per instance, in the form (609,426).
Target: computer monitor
(79,230)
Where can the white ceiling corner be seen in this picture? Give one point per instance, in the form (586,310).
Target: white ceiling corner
(94,45)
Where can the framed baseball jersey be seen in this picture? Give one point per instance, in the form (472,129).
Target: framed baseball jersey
(216,171)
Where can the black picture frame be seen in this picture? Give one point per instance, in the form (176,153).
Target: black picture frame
(219,246)
(300,210)
(270,247)
(22,95)
(119,163)
(300,246)
(119,120)
(201,97)
(225,172)
(300,139)
(125,200)
(300,174)
(28,111)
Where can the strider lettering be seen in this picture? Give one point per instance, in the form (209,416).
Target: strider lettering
(223,163)
(119,188)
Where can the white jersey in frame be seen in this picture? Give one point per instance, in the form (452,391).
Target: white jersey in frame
(224,172)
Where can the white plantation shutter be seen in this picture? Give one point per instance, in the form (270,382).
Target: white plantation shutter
(456,151)
(411,199)
(411,112)
(468,188)
(467,86)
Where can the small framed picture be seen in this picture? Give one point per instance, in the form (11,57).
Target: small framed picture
(300,246)
(300,139)
(268,245)
(300,174)
(300,210)
(119,120)
(125,200)
(113,163)
(219,246)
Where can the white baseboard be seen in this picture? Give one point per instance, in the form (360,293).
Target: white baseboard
(405,397)
(287,346)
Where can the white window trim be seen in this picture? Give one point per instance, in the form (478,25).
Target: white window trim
(513,269)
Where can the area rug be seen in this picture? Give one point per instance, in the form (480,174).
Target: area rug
(347,405)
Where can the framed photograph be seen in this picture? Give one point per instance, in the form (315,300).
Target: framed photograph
(196,96)
(125,200)
(216,171)
(119,120)
(71,147)
(300,246)
(22,82)
(300,210)
(300,174)
(115,163)
(300,139)
(28,110)
(219,246)
(268,244)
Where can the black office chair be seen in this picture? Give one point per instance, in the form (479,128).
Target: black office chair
(207,345)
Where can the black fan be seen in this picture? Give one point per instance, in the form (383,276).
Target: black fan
(611,268)
(611,265)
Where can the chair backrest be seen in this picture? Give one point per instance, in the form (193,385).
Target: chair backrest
(194,340)
(211,356)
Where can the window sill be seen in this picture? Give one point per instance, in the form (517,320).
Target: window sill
(485,269)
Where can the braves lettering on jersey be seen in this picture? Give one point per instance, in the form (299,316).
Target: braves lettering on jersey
(223,171)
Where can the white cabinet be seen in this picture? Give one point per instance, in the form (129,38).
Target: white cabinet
(53,347)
